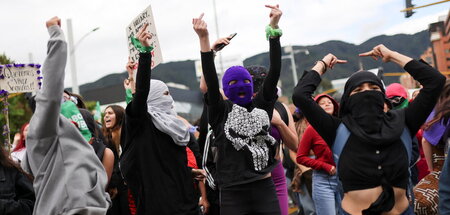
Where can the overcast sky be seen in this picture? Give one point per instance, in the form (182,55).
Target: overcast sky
(304,22)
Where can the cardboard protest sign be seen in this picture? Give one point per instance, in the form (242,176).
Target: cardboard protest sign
(145,16)
(20,78)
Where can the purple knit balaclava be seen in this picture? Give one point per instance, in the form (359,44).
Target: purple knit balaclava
(240,92)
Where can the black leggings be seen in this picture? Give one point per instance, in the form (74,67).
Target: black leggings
(254,198)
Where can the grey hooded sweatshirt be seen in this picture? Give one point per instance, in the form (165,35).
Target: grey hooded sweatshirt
(68,176)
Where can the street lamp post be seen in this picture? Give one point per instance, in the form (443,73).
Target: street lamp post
(72,48)
(292,52)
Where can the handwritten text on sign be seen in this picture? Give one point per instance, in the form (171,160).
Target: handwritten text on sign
(145,17)
(19,79)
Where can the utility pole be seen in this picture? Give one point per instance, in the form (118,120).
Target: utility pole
(72,49)
(218,36)
(292,52)
(73,67)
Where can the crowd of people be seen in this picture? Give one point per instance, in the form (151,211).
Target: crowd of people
(376,150)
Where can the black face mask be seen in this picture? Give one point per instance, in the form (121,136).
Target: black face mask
(366,108)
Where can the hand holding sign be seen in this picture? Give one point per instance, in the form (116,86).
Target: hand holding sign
(151,44)
(144,36)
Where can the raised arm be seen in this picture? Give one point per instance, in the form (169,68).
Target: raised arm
(209,70)
(128,83)
(48,100)
(269,88)
(139,104)
(433,82)
(325,124)
(216,46)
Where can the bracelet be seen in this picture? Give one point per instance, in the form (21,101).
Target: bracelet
(130,79)
(271,32)
(138,45)
(324,64)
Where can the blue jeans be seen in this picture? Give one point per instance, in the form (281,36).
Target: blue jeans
(305,201)
(326,193)
(409,211)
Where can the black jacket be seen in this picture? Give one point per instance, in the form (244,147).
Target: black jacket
(16,192)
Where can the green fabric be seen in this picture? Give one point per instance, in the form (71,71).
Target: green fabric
(138,45)
(404,104)
(128,96)
(98,112)
(270,32)
(71,112)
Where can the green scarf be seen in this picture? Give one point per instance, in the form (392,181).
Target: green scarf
(404,104)
(71,112)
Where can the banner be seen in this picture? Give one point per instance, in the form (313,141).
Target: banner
(20,78)
(145,17)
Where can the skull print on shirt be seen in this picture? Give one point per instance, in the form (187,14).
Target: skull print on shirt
(250,130)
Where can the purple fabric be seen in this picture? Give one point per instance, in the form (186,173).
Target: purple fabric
(275,133)
(435,132)
(279,179)
(240,75)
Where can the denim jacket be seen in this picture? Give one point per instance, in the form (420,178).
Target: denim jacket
(16,192)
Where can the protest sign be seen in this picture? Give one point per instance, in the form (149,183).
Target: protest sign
(145,16)
(20,78)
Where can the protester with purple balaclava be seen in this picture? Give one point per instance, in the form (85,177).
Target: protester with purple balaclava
(246,151)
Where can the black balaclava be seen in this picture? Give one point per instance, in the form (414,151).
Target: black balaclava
(353,82)
(363,112)
(258,73)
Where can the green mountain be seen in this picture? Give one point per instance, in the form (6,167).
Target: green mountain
(410,45)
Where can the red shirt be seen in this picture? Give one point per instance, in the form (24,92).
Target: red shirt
(191,159)
(311,140)
(422,165)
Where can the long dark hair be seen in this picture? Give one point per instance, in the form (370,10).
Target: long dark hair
(442,108)
(7,162)
(107,132)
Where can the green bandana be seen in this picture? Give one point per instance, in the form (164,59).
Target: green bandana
(71,112)
(404,104)
(138,45)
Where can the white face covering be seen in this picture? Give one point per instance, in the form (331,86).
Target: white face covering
(160,108)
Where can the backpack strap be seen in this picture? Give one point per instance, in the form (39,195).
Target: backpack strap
(282,111)
(342,135)
(407,143)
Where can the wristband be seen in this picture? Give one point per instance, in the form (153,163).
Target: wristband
(324,64)
(270,32)
(138,45)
